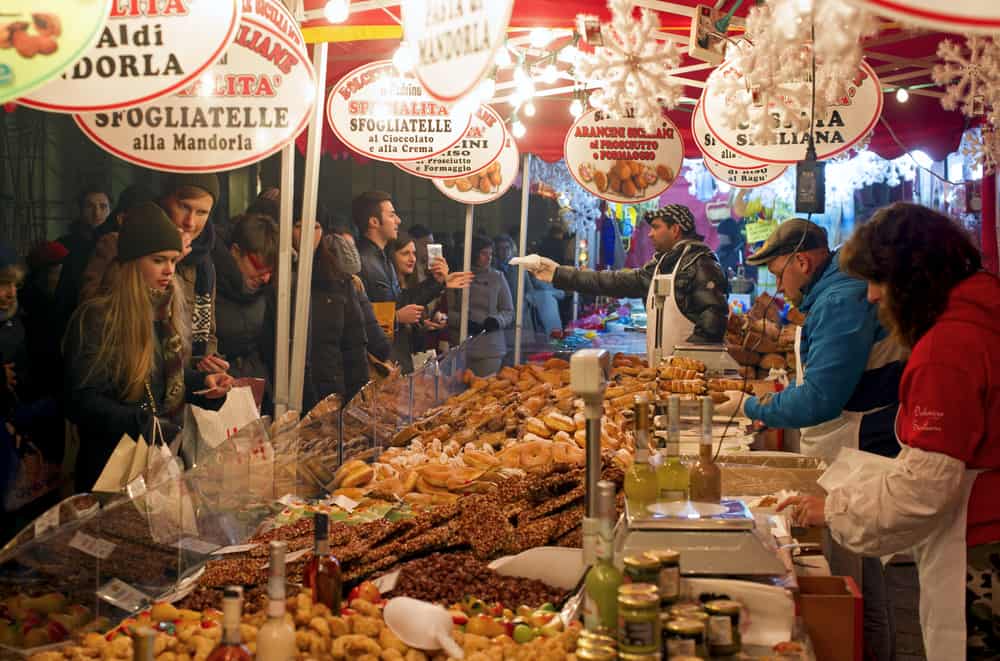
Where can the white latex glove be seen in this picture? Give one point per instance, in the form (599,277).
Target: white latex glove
(734,405)
(542,268)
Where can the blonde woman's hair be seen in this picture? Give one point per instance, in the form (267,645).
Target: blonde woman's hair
(122,317)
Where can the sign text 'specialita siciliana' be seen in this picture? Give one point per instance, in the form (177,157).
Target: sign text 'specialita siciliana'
(148,49)
(251,103)
(39,40)
(843,125)
(382,114)
(982,16)
(454,42)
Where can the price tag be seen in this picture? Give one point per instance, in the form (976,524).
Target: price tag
(47,521)
(120,594)
(291,557)
(196,545)
(345,503)
(237,548)
(92,546)
(288,500)
(759,231)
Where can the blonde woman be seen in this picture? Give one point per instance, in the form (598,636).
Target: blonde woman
(127,349)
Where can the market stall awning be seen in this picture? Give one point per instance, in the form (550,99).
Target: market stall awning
(901,57)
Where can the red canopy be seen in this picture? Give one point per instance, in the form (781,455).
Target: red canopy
(900,57)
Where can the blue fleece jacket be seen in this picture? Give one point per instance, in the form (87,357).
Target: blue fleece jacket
(838,335)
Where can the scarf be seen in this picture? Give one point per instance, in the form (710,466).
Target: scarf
(204,287)
(171,353)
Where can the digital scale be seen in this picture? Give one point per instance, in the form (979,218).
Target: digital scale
(717,360)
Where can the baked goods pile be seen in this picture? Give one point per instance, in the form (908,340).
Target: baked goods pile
(760,341)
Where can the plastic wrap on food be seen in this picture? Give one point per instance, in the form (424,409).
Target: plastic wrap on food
(749,480)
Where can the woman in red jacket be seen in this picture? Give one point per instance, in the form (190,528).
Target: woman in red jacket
(937,500)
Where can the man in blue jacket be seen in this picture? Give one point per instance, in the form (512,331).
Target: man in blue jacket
(847,389)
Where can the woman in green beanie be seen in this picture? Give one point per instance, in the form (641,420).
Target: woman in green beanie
(127,350)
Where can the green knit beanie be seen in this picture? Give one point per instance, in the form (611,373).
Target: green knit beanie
(147,230)
(208,182)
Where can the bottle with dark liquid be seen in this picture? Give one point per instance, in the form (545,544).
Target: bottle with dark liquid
(231,648)
(322,574)
(706,478)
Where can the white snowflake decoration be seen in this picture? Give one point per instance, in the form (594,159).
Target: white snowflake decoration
(983,147)
(971,75)
(632,68)
(778,57)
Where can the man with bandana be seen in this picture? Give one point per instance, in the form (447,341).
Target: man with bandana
(697,309)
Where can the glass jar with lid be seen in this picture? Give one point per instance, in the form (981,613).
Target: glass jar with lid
(642,568)
(724,627)
(668,577)
(684,638)
(638,618)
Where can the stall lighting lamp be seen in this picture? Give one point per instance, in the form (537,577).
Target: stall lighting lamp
(576,108)
(902,95)
(337,11)
(529,109)
(518,129)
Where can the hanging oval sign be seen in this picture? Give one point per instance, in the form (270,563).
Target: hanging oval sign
(619,161)
(479,147)
(843,125)
(487,184)
(954,16)
(148,49)
(243,109)
(712,148)
(382,114)
(761,175)
(36,45)
(454,43)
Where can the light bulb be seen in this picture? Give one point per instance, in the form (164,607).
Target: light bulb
(525,85)
(540,37)
(568,54)
(337,11)
(529,109)
(503,57)
(576,108)
(487,88)
(550,74)
(403,58)
(902,95)
(517,129)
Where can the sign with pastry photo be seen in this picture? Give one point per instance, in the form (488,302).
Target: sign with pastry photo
(763,174)
(388,116)
(148,49)
(616,159)
(843,125)
(40,38)
(712,149)
(243,109)
(487,184)
(479,147)
(454,43)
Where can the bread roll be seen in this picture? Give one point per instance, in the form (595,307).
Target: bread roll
(774,361)
(559,422)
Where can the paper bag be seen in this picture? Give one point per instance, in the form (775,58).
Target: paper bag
(117,471)
(385,314)
(204,431)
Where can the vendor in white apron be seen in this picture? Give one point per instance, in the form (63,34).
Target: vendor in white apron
(683,285)
(846,390)
(938,499)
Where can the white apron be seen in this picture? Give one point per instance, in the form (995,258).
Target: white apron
(666,325)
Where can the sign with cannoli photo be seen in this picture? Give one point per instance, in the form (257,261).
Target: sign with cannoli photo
(841,126)
(40,38)
(479,147)
(388,116)
(243,109)
(487,184)
(148,49)
(618,160)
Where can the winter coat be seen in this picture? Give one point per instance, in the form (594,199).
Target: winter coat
(338,343)
(701,288)
(80,243)
(14,349)
(377,273)
(239,317)
(100,414)
(489,297)
(851,363)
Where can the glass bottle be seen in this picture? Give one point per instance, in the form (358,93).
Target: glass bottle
(143,643)
(231,647)
(276,638)
(322,574)
(672,476)
(706,478)
(600,609)
(640,481)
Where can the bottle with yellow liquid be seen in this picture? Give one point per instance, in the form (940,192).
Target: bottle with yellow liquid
(671,475)
(706,478)
(641,487)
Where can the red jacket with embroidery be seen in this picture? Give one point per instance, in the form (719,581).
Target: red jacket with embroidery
(950,395)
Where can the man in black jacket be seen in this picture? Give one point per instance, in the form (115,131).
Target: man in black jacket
(700,288)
